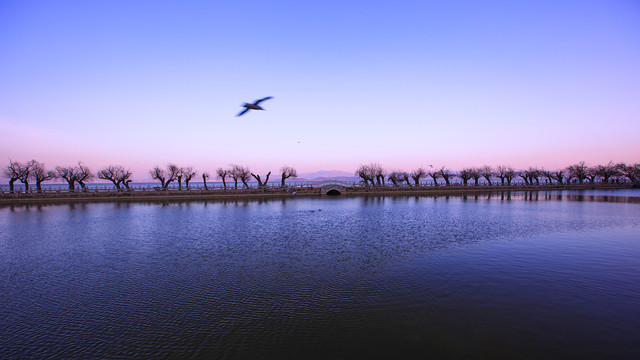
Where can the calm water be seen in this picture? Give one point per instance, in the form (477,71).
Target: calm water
(530,275)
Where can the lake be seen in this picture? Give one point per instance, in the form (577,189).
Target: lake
(548,274)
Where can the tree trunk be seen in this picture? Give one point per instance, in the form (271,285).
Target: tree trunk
(204,179)
(11,181)
(38,186)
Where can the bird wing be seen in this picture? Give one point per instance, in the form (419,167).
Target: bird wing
(263,99)
(243,112)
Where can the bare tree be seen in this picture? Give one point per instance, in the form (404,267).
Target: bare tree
(406,177)
(117,174)
(41,174)
(367,173)
(222,175)
(632,172)
(260,183)
(67,173)
(287,172)
(475,174)
(82,174)
(165,176)
(578,171)
(568,176)
(558,176)
(396,177)
(487,172)
(188,174)
(592,174)
(435,174)
(416,175)
(501,173)
(205,175)
(534,174)
(241,173)
(465,175)
(548,174)
(379,173)
(509,174)
(446,174)
(13,172)
(25,175)
(524,174)
(607,171)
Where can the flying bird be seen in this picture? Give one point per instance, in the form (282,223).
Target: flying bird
(254,106)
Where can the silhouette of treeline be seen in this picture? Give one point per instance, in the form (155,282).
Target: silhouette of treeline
(36,172)
(375,175)
(370,174)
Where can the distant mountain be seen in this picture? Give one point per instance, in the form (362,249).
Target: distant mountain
(328,175)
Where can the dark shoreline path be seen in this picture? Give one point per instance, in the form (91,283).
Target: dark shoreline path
(277,193)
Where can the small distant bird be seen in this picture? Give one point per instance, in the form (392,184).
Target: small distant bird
(254,106)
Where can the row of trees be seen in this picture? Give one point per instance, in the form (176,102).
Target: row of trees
(370,174)
(37,172)
(236,172)
(34,171)
(373,174)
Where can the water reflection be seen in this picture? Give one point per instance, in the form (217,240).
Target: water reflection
(294,278)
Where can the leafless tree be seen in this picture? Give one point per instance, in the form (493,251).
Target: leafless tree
(67,173)
(396,177)
(558,176)
(406,178)
(632,172)
(502,172)
(524,174)
(13,172)
(487,172)
(380,173)
(592,174)
(534,174)
(188,174)
(260,183)
(446,174)
(607,171)
(117,174)
(41,174)
(222,175)
(578,171)
(82,174)
(568,176)
(75,174)
(435,174)
(475,174)
(25,175)
(287,172)
(241,173)
(465,175)
(548,174)
(509,174)
(416,175)
(165,176)
(367,173)
(205,175)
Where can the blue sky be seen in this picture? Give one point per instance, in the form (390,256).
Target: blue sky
(405,83)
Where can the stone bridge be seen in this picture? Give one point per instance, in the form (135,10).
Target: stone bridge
(333,188)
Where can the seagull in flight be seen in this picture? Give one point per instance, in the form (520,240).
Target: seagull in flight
(254,106)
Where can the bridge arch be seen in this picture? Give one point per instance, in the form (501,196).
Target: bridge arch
(332,192)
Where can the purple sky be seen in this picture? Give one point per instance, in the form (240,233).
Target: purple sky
(403,83)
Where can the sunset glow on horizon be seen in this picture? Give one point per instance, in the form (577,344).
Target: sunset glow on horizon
(407,84)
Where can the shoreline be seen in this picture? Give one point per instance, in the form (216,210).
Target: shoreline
(256,194)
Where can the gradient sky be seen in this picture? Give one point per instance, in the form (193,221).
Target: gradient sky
(402,83)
